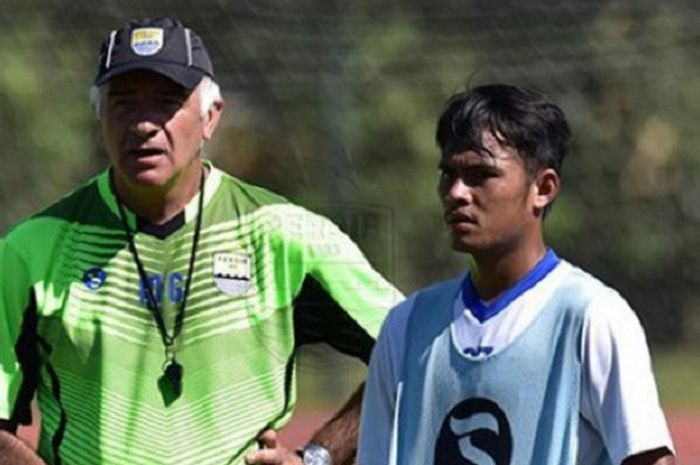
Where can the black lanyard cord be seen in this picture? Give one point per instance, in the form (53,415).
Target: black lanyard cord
(151,301)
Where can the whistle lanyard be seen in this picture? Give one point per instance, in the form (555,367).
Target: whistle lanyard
(172,369)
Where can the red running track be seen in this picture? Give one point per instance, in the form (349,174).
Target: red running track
(685,429)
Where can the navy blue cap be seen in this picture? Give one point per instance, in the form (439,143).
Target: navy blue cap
(163,45)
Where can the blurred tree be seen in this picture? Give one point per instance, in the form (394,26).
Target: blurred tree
(48,138)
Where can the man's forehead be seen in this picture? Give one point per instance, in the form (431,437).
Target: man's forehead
(474,158)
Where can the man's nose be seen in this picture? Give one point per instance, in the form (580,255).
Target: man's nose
(459,191)
(145,123)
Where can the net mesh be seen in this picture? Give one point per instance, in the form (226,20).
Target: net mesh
(334,104)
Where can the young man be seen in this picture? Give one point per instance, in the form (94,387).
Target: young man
(156,310)
(526,359)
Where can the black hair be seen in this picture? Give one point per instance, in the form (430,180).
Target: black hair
(517,117)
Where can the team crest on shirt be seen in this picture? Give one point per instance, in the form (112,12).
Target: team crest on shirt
(232,273)
(147,41)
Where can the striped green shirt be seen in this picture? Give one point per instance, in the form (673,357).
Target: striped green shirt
(75,328)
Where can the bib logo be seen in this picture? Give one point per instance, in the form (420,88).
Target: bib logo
(475,432)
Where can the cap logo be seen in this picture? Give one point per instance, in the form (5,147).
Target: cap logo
(147,40)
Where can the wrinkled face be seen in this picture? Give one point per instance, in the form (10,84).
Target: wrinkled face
(152,128)
(487,200)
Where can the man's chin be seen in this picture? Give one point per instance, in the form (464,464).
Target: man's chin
(460,246)
(148,178)
(464,244)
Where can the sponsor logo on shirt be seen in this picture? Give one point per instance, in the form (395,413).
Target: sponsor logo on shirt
(475,431)
(94,278)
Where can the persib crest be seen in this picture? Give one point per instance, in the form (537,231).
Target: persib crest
(147,41)
(232,273)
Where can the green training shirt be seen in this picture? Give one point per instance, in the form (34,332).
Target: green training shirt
(75,327)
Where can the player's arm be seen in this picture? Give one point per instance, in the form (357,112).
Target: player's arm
(342,301)
(319,318)
(376,403)
(619,395)
(335,434)
(15,395)
(382,390)
(338,436)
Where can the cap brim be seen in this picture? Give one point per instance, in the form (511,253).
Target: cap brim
(187,77)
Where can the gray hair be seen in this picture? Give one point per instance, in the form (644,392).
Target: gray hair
(209,93)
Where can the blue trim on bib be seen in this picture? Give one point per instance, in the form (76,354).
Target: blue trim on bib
(483,311)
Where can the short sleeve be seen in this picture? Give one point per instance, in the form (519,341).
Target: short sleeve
(14,298)
(382,389)
(619,398)
(339,266)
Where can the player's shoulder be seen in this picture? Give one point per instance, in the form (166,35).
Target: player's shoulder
(579,281)
(398,318)
(247,194)
(83,205)
(439,289)
(600,300)
(262,204)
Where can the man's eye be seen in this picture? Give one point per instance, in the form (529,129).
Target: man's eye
(478,177)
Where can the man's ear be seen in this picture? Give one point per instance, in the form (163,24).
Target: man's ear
(546,188)
(213,116)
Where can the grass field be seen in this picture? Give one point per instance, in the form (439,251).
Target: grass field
(678,375)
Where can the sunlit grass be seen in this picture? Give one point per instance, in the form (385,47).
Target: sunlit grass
(678,376)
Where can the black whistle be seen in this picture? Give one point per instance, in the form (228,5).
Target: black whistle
(170,384)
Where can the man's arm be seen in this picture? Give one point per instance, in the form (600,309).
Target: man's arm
(341,433)
(342,302)
(338,436)
(13,451)
(660,456)
(619,395)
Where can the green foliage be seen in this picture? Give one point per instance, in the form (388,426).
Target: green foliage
(46,129)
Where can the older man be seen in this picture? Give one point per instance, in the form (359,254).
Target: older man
(156,310)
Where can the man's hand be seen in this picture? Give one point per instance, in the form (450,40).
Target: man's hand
(274,453)
(14,451)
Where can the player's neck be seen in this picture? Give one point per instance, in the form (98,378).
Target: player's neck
(495,272)
(160,204)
